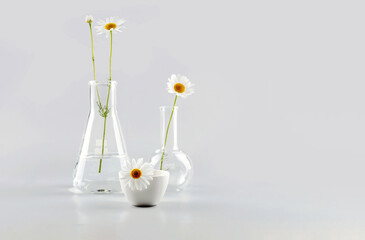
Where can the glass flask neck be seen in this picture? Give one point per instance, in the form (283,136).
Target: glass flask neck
(171,141)
(102,96)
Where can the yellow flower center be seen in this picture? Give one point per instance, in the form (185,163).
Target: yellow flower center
(109,26)
(179,87)
(136,173)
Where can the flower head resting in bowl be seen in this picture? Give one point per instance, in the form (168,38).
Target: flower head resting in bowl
(136,174)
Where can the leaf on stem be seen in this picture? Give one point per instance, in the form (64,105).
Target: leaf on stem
(103,111)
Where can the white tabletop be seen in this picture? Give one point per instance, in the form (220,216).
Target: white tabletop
(55,212)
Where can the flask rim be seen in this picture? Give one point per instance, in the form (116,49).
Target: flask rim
(103,83)
(163,108)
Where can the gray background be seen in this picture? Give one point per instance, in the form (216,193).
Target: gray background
(275,130)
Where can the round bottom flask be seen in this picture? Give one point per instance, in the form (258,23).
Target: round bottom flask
(175,161)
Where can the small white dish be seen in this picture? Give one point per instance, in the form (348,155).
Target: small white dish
(154,192)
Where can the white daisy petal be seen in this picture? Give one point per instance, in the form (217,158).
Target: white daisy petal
(130,185)
(138,185)
(145,182)
(149,170)
(185,81)
(134,163)
(129,165)
(148,174)
(120,22)
(145,168)
(139,163)
(124,174)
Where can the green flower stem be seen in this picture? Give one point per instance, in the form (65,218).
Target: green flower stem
(110,59)
(167,131)
(107,100)
(102,150)
(92,55)
(92,48)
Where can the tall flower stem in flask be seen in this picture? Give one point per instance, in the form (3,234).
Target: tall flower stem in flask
(180,86)
(107,100)
(167,132)
(107,27)
(89,19)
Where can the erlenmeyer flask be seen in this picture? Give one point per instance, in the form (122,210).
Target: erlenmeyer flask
(103,150)
(175,161)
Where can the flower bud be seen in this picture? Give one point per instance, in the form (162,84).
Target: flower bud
(89,19)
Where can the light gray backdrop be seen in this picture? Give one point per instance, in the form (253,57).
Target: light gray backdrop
(279,104)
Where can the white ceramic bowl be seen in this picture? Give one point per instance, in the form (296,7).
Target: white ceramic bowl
(154,192)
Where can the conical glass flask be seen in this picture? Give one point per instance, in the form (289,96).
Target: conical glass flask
(175,161)
(103,150)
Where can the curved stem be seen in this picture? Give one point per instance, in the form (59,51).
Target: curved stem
(107,100)
(92,49)
(167,132)
(93,59)
(102,150)
(110,57)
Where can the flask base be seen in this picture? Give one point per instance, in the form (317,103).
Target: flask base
(87,178)
(99,187)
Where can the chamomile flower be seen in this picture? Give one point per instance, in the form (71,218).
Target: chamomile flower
(180,85)
(136,174)
(89,19)
(110,24)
